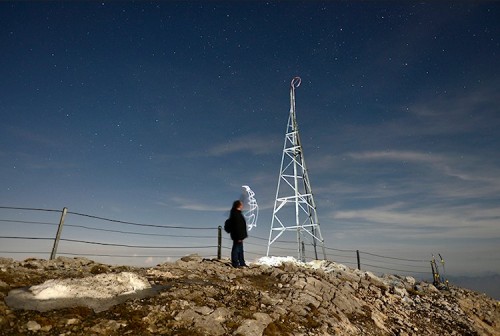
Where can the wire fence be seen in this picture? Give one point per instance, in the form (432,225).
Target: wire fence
(83,235)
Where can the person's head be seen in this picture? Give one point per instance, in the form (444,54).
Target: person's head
(238,205)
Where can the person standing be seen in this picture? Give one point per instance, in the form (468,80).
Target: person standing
(238,234)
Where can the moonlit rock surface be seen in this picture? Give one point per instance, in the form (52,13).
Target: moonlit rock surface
(100,286)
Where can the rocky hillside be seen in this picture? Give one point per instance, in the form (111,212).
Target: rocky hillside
(194,296)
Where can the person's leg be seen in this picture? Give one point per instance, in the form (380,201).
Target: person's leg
(234,254)
(241,256)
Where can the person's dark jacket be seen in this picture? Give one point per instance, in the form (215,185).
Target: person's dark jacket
(238,225)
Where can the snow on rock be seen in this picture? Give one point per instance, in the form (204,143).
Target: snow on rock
(327,266)
(353,275)
(277,261)
(100,286)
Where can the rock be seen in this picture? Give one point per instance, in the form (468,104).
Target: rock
(379,320)
(375,280)
(400,291)
(4,285)
(6,261)
(207,297)
(72,321)
(254,327)
(192,257)
(99,269)
(32,263)
(186,315)
(203,310)
(212,324)
(106,327)
(46,328)
(221,314)
(410,281)
(33,326)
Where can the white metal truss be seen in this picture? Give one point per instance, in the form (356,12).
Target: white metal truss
(294,207)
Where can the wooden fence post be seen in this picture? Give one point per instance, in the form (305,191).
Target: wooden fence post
(219,242)
(58,235)
(359,261)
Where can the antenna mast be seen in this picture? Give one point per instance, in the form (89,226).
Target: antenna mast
(294,207)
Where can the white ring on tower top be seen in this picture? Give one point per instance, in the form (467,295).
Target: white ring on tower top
(296,82)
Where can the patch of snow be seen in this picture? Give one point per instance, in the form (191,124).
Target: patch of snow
(277,261)
(99,286)
(327,266)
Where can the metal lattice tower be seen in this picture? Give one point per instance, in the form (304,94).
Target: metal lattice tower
(294,207)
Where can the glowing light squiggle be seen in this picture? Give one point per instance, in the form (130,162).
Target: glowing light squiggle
(252,212)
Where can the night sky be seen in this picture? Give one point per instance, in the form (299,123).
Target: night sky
(158,112)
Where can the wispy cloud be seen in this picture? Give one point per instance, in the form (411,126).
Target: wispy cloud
(466,168)
(254,144)
(397,220)
(194,205)
(414,194)
(397,155)
(32,137)
(458,113)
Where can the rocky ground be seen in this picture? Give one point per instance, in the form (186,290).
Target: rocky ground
(208,297)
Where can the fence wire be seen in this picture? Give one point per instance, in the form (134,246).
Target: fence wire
(345,256)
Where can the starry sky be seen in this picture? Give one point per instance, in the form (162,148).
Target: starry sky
(158,112)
